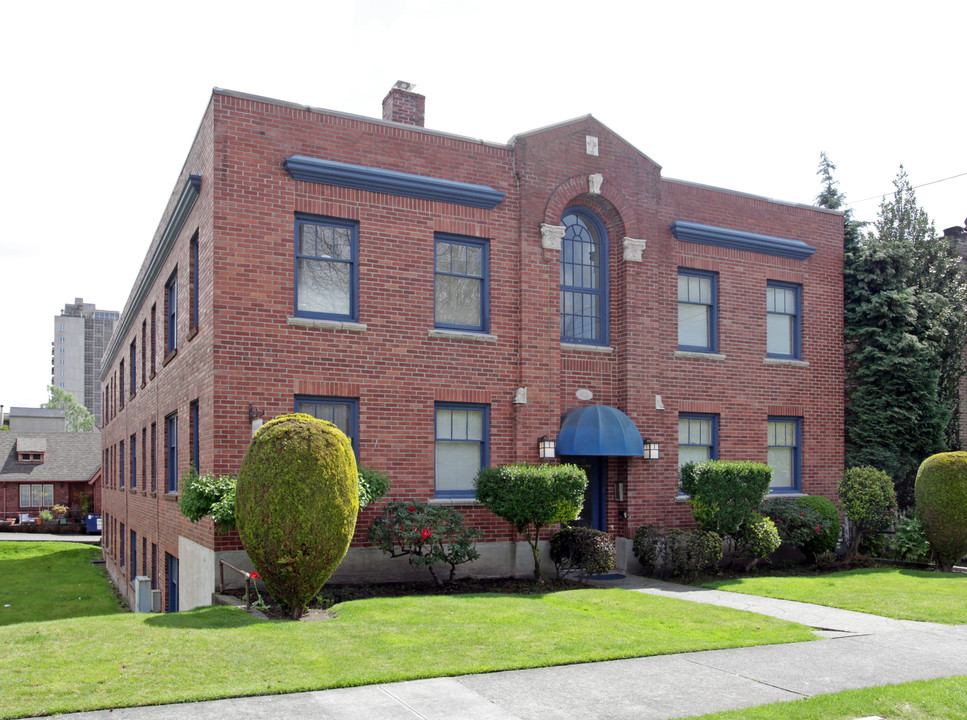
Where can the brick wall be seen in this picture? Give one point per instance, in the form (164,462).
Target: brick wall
(245,350)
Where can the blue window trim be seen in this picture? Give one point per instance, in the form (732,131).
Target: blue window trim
(171,452)
(484,245)
(171,313)
(133,442)
(796,320)
(195,284)
(133,370)
(353,226)
(351,403)
(484,444)
(714,447)
(603,291)
(195,435)
(133,568)
(121,395)
(796,454)
(713,315)
(121,548)
(121,463)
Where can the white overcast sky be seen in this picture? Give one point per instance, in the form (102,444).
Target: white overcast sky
(101,101)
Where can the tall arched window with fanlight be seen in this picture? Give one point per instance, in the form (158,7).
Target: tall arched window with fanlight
(584,278)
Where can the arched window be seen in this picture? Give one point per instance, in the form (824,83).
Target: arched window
(584,279)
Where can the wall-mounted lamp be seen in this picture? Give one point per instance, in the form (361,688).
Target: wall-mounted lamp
(545,448)
(254,413)
(619,491)
(651,450)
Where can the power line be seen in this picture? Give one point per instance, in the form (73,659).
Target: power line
(915,187)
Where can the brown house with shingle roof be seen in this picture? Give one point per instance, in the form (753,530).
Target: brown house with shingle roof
(42,469)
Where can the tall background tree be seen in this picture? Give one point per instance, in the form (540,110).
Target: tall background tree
(905,327)
(79,418)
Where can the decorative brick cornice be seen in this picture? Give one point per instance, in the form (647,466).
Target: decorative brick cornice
(740,240)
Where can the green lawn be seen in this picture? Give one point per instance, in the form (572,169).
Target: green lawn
(123,659)
(891,592)
(944,699)
(51,580)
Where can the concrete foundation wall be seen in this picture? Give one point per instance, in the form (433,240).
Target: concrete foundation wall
(197,568)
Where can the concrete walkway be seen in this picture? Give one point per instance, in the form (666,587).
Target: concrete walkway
(858,651)
(50,537)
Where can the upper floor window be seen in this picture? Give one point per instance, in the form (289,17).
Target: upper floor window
(171,452)
(326,273)
(461,283)
(785,453)
(194,270)
(195,430)
(584,279)
(462,447)
(171,313)
(341,412)
(784,320)
(697,437)
(697,310)
(132,361)
(121,380)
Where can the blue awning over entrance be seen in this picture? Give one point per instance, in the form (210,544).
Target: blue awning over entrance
(599,430)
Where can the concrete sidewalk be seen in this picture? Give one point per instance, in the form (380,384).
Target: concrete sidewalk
(859,651)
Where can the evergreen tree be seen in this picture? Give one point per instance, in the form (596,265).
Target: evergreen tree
(905,317)
(79,418)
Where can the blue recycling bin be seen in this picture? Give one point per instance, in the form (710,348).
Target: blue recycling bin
(93,523)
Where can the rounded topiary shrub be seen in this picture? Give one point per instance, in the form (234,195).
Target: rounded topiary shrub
(296,503)
(869,502)
(941,495)
(582,549)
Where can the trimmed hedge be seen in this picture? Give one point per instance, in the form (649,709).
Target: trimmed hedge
(723,493)
(941,495)
(589,551)
(297,498)
(674,552)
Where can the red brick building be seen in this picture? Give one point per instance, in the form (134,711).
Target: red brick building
(449,302)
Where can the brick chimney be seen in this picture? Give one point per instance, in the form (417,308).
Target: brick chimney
(402,105)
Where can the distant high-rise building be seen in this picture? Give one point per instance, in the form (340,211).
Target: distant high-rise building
(81,334)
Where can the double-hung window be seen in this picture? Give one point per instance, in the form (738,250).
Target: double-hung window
(697,310)
(171,452)
(460,283)
(462,447)
(36,495)
(133,440)
(785,453)
(784,320)
(697,437)
(326,267)
(584,279)
(341,412)
(195,420)
(121,462)
(171,313)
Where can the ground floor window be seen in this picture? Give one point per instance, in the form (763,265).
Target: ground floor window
(785,453)
(36,495)
(340,411)
(461,447)
(697,437)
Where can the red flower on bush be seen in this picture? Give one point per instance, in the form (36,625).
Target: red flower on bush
(254,575)
(411,508)
(425,534)
(817,528)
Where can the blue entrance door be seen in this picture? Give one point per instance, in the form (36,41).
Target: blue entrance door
(595,512)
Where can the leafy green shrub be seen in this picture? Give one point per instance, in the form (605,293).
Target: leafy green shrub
(297,498)
(208,494)
(46,515)
(941,495)
(826,539)
(759,538)
(427,534)
(724,494)
(801,525)
(532,497)
(868,499)
(590,551)
(909,540)
(373,485)
(674,552)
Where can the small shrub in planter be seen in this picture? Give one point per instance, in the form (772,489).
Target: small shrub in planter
(427,534)
(588,551)
(675,552)
(869,502)
(941,493)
